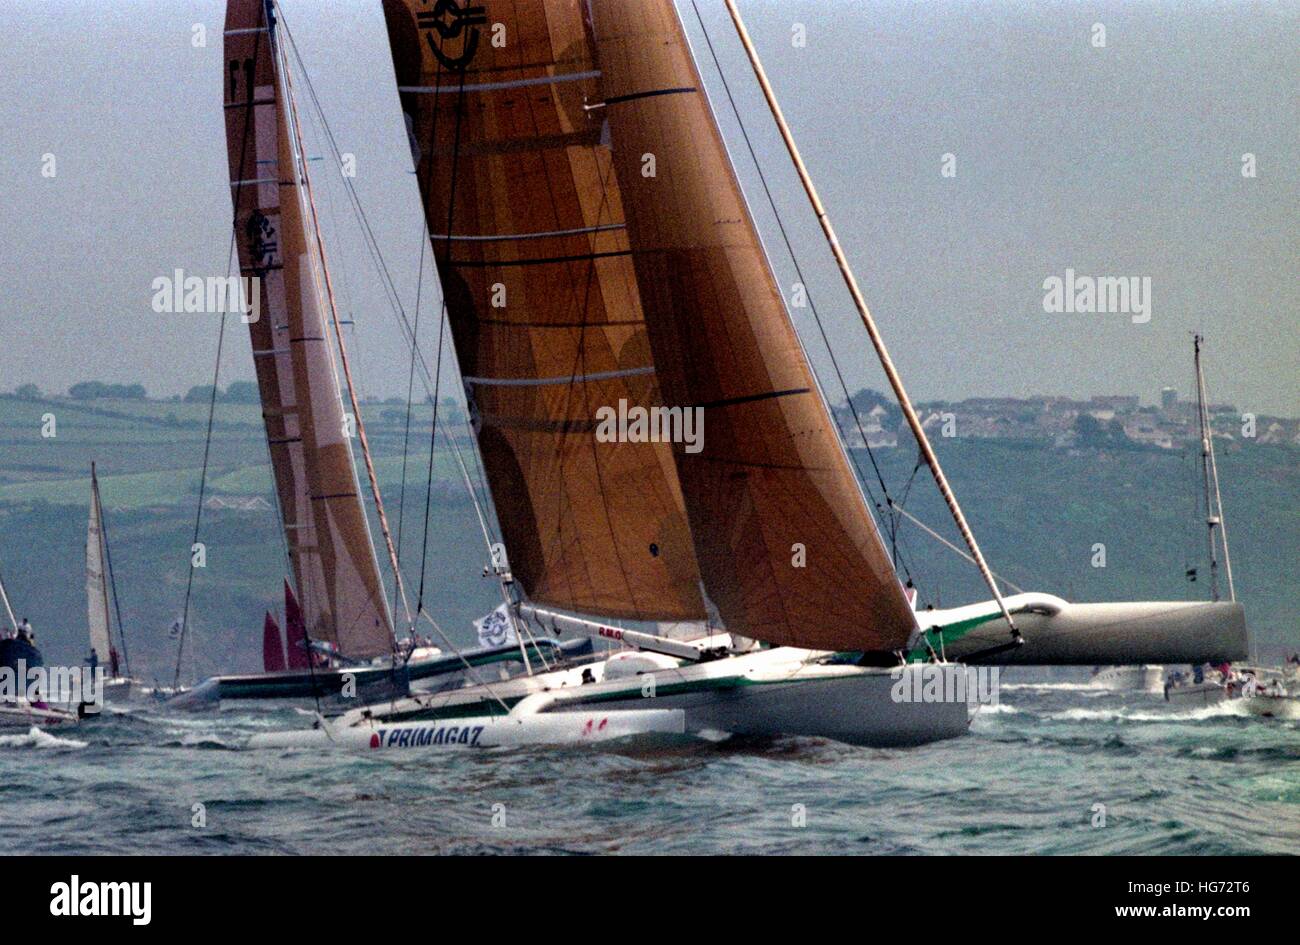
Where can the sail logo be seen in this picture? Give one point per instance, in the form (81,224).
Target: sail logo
(944,682)
(637,424)
(418,736)
(75,898)
(1115,295)
(449,20)
(191,294)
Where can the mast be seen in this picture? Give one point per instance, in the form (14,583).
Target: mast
(13,621)
(886,362)
(305,177)
(1210,483)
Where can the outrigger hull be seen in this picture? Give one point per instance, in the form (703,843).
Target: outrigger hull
(491,731)
(433,673)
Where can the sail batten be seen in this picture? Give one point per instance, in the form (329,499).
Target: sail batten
(323,517)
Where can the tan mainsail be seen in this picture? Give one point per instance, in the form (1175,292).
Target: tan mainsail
(530,240)
(786,544)
(324,519)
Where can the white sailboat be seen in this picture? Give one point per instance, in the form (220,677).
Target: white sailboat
(118,683)
(22,705)
(642,290)
(1202,684)
(1142,678)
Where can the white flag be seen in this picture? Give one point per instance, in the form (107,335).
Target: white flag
(496,629)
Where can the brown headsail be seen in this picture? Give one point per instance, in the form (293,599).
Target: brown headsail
(528,231)
(786,544)
(324,519)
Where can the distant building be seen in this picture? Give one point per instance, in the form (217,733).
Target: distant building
(1168,397)
(1115,402)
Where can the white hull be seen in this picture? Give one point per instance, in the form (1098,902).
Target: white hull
(1203,693)
(853,706)
(120,688)
(1273,706)
(1144,678)
(782,691)
(24,715)
(492,731)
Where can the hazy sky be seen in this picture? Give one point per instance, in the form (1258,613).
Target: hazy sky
(1116,161)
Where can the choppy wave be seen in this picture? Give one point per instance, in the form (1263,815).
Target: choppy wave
(1025,780)
(1172,716)
(39,738)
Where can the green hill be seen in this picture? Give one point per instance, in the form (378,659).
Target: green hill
(1037,511)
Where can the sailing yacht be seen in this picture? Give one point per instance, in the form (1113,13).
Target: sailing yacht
(597,254)
(118,683)
(1144,678)
(1204,685)
(22,704)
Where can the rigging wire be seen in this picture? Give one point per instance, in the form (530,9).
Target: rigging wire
(419,287)
(392,296)
(459,109)
(203,481)
(394,300)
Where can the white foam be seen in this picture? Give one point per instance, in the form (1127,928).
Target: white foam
(1001,708)
(38,738)
(1218,710)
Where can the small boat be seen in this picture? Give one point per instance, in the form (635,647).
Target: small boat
(19,707)
(118,684)
(1272,702)
(23,714)
(1142,678)
(1186,690)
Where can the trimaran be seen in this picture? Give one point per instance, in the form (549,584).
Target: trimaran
(595,250)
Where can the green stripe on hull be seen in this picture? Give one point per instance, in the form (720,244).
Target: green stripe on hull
(950,632)
(489,706)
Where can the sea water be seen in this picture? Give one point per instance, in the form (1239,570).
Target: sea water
(1053,768)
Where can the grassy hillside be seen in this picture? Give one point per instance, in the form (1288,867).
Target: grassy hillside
(1037,511)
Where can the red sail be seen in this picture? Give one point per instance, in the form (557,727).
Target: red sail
(272,646)
(295,631)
